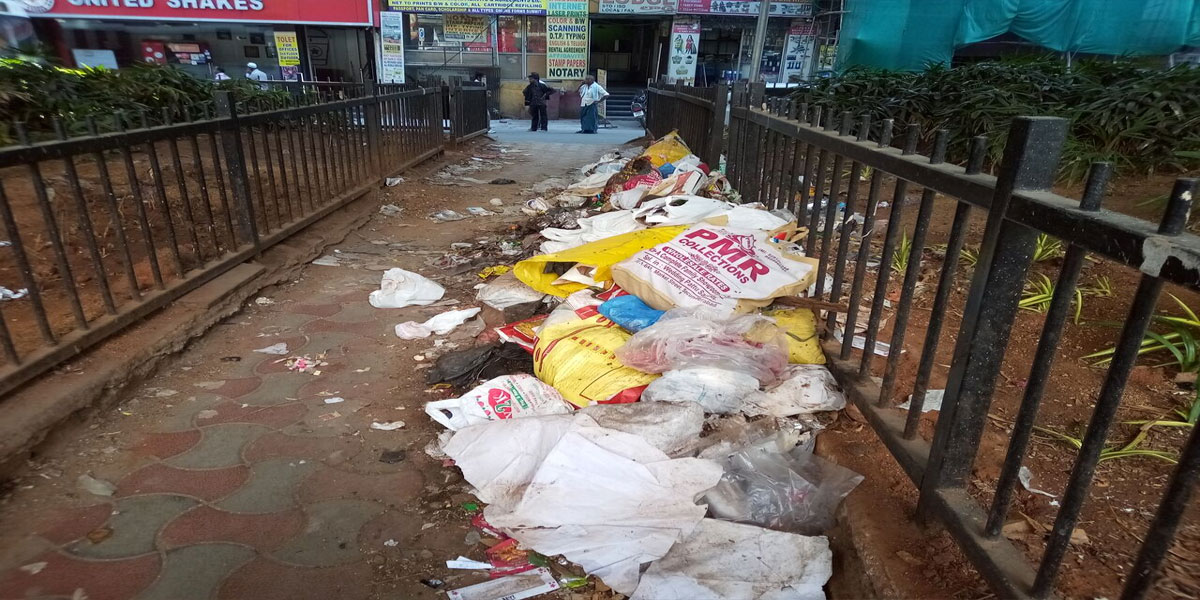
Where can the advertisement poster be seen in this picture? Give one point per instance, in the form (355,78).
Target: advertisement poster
(637,7)
(94,58)
(325,12)
(566,39)
(602,79)
(747,8)
(287,49)
(391,50)
(685,49)
(459,27)
(798,51)
(515,7)
(826,58)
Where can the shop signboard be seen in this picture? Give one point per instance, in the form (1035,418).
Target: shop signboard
(826,58)
(566,39)
(798,51)
(391,48)
(638,7)
(685,48)
(460,27)
(325,12)
(503,7)
(749,8)
(94,58)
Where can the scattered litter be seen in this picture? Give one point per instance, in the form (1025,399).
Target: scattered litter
(263,301)
(99,534)
(933,401)
(390,543)
(672,428)
(479,211)
(464,367)
(399,288)
(95,486)
(502,181)
(390,210)
(392,457)
(535,206)
(446,215)
(329,416)
(514,587)
(859,342)
(470,507)
(716,390)
(728,560)
(1026,477)
(206,414)
(7,294)
(328,261)
(436,584)
(688,338)
(387,426)
(506,397)
(494,270)
(440,324)
(496,202)
(393,181)
(231,359)
(304,364)
(279,349)
(463,562)
(362,370)
(335,400)
(34,568)
(630,312)
(507,291)
(805,389)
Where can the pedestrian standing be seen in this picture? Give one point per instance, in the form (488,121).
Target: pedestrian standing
(590,97)
(536,94)
(253,73)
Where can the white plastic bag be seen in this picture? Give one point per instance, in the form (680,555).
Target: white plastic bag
(505,291)
(590,229)
(687,338)
(715,390)
(680,210)
(436,325)
(506,397)
(672,428)
(400,288)
(805,389)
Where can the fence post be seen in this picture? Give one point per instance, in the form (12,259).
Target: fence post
(372,123)
(235,166)
(1030,163)
(676,116)
(716,129)
(453,91)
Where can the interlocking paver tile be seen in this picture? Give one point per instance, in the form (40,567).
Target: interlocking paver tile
(134,525)
(196,571)
(206,484)
(221,446)
(236,388)
(330,536)
(329,483)
(165,445)
(271,487)
(279,444)
(69,524)
(97,579)
(264,579)
(182,416)
(275,417)
(262,532)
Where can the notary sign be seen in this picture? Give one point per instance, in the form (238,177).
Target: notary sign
(566,39)
(638,7)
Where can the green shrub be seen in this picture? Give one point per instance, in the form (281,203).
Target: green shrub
(1139,119)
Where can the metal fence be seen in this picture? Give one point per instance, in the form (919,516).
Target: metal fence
(696,113)
(467,110)
(102,230)
(789,155)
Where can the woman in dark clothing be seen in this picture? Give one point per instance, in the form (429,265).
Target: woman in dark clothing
(536,94)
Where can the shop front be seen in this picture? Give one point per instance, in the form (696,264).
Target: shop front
(287,39)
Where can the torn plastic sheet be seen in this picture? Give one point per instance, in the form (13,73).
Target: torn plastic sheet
(514,587)
(933,401)
(606,500)
(860,342)
(1026,478)
(805,389)
(440,324)
(726,560)
(399,288)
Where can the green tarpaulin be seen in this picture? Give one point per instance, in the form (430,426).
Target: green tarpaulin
(910,34)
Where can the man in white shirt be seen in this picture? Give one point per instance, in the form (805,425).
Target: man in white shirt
(591,95)
(253,73)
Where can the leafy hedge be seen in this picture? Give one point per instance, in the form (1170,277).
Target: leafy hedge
(1140,119)
(35,94)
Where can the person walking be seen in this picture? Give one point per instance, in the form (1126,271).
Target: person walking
(590,97)
(536,94)
(253,73)
(221,75)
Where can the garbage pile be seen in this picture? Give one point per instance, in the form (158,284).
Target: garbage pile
(640,403)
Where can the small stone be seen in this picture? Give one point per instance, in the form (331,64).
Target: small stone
(472,538)
(426,554)
(496,202)
(390,543)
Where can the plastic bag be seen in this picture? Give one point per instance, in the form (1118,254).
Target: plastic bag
(601,254)
(800,325)
(680,210)
(805,389)
(436,325)
(729,270)
(667,149)
(575,355)
(715,390)
(630,312)
(672,428)
(781,488)
(686,338)
(505,291)
(400,288)
(506,397)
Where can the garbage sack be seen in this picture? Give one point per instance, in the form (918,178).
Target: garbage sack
(627,199)
(590,229)
(575,355)
(400,288)
(672,428)
(728,270)
(591,185)
(722,560)
(463,367)
(680,183)
(800,326)
(715,390)
(505,291)
(686,338)
(667,149)
(561,484)
(680,209)
(805,389)
(505,397)
(730,434)
(436,325)
(788,489)
(600,254)
(630,312)
(744,216)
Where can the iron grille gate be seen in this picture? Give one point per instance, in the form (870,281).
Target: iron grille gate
(106,228)
(790,155)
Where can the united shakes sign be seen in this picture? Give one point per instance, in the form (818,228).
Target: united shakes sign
(325,12)
(566,39)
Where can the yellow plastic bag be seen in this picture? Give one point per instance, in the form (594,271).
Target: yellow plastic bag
(600,255)
(801,327)
(668,149)
(577,357)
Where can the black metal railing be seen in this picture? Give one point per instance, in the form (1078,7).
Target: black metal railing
(696,113)
(103,229)
(467,110)
(816,165)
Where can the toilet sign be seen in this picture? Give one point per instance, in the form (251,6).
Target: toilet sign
(638,7)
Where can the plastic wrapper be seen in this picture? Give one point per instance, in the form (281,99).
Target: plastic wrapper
(630,312)
(772,486)
(715,390)
(505,291)
(506,397)
(685,338)
(805,389)
(399,288)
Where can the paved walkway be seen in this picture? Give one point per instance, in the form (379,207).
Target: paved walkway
(227,475)
(562,131)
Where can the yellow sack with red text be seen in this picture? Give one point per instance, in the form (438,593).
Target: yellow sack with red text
(575,354)
(594,257)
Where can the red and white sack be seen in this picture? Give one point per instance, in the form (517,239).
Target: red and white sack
(505,397)
(725,269)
